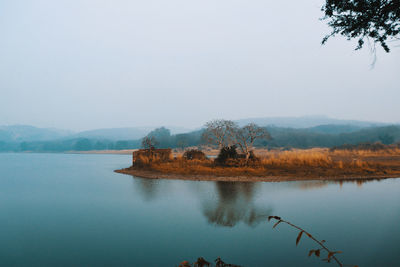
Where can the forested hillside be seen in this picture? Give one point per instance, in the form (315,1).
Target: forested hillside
(319,136)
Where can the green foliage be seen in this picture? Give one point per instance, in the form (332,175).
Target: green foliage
(281,138)
(306,138)
(181,141)
(78,144)
(386,138)
(82,145)
(162,135)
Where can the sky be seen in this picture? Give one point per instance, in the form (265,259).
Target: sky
(85,64)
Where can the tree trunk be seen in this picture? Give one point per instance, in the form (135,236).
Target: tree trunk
(247,157)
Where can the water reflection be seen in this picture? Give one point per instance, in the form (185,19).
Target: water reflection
(147,188)
(358,182)
(228,203)
(222,203)
(234,203)
(316,184)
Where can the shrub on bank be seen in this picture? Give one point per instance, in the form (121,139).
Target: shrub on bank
(194,154)
(227,154)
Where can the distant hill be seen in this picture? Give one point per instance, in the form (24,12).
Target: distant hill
(282,137)
(128,133)
(27,133)
(18,133)
(20,138)
(307,122)
(335,129)
(308,137)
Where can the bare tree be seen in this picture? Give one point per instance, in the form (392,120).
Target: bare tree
(219,132)
(149,142)
(224,133)
(245,137)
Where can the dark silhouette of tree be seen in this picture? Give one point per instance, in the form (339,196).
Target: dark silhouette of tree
(226,153)
(149,142)
(83,145)
(194,154)
(386,139)
(24,146)
(376,20)
(162,135)
(181,141)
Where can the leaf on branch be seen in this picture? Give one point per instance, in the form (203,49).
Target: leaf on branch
(309,235)
(299,237)
(323,241)
(276,224)
(317,252)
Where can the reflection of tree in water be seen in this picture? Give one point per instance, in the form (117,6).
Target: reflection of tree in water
(235,204)
(305,185)
(358,182)
(148,188)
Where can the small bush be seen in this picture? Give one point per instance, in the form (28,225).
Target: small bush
(194,154)
(227,153)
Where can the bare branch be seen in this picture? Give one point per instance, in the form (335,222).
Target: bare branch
(219,132)
(149,142)
(331,253)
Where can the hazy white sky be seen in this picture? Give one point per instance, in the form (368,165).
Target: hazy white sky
(79,64)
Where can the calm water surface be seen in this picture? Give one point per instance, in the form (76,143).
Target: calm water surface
(73,210)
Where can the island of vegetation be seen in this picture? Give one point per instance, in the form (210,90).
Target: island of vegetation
(234,158)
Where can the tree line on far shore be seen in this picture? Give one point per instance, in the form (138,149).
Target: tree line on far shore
(276,137)
(279,137)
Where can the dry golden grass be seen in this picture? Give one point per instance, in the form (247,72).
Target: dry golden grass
(367,153)
(296,163)
(297,158)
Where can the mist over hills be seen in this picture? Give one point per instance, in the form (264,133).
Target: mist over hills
(114,133)
(19,133)
(307,122)
(335,128)
(28,133)
(127,133)
(288,132)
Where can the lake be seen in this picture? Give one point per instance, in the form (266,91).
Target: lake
(73,210)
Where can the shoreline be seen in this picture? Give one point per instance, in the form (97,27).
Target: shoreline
(103,152)
(149,174)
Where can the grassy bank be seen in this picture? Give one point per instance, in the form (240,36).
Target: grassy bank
(279,165)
